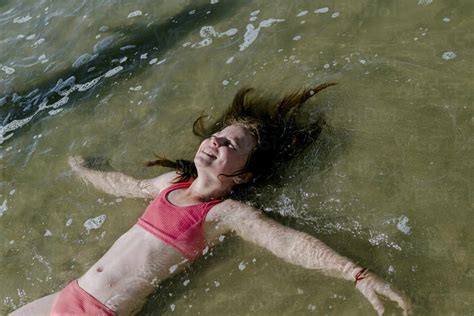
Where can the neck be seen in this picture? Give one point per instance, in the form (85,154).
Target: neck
(204,189)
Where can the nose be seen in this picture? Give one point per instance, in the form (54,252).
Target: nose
(216,141)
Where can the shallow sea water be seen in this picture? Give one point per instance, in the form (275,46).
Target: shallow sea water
(388,185)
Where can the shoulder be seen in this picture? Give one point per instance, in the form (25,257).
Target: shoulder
(155,185)
(230,210)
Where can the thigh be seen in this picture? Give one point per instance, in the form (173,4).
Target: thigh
(39,307)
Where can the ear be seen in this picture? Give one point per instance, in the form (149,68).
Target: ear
(243,178)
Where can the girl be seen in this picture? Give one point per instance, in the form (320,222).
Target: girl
(190,211)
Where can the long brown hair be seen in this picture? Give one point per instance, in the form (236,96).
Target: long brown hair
(274,125)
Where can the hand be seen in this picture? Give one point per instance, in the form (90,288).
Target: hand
(370,285)
(76,162)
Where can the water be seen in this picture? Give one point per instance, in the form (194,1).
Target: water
(390,185)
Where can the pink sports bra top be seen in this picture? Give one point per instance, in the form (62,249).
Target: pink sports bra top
(178,226)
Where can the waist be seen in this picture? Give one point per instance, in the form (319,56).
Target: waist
(130,270)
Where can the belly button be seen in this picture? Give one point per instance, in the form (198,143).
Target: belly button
(100,269)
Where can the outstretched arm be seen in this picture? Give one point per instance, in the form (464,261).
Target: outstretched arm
(305,250)
(119,184)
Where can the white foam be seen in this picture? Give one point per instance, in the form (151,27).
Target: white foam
(322,10)
(302,13)
(173,268)
(82,60)
(225,82)
(254,13)
(402,225)
(137,88)
(424,2)
(88,85)
(3,208)
(297,38)
(252,33)
(186,282)
(134,14)
(205,42)
(448,55)
(242,266)
(153,61)
(144,56)
(69,222)
(446,19)
(95,222)
(113,71)
(127,47)
(22,19)
(230,60)
(8,70)
(335,15)
(172,307)
(47,233)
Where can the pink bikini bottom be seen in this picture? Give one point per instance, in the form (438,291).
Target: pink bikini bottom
(73,300)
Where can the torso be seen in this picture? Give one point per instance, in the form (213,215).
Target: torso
(136,263)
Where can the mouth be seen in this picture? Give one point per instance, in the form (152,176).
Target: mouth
(209,154)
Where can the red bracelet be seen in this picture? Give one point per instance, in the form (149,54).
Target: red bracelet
(359,275)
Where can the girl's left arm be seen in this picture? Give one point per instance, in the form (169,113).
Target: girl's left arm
(305,250)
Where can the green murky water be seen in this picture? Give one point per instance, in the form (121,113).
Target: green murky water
(390,185)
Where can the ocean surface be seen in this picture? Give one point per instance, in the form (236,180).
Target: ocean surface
(389,184)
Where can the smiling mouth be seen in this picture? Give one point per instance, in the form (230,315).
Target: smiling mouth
(209,154)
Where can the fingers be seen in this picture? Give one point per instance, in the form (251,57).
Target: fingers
(394,296)
(373,299)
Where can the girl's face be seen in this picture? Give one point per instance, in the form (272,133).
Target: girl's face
(226,151)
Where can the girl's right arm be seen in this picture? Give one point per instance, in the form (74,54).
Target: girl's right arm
(119,184)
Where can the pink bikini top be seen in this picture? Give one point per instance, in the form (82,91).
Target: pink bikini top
(178,226)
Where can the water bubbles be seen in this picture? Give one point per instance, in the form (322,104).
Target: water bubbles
(402,225)
(242,266)
(322,10)
(69,222)
(95,222)
(134,14)
(47,233)
(448,55)
(297,38)
(446,19)
(22,19)
(230,60)
(186,282)
(335,15)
